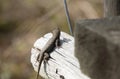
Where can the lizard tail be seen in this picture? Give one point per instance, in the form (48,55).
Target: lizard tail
(38,71)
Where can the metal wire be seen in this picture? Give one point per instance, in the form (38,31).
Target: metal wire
(68,17)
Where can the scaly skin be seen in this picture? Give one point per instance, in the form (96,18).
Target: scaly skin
(49,47)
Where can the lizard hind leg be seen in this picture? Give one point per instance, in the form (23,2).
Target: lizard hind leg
(45,62)
(46,58)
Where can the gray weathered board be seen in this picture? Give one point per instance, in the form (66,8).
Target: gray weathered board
(64,61)
(97,45)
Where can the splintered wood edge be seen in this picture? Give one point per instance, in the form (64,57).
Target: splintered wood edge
(63,65)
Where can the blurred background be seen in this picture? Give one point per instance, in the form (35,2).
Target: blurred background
(22,22)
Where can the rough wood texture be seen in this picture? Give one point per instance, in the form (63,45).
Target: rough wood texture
(64,64)
(111,8)
(97,47)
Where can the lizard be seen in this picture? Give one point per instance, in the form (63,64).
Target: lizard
(52,43)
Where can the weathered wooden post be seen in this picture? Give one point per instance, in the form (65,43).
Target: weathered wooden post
(97,43)
(111,8)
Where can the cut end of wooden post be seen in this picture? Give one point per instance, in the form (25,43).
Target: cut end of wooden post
(63,64)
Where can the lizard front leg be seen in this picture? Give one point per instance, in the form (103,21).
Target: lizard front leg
(57,43)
